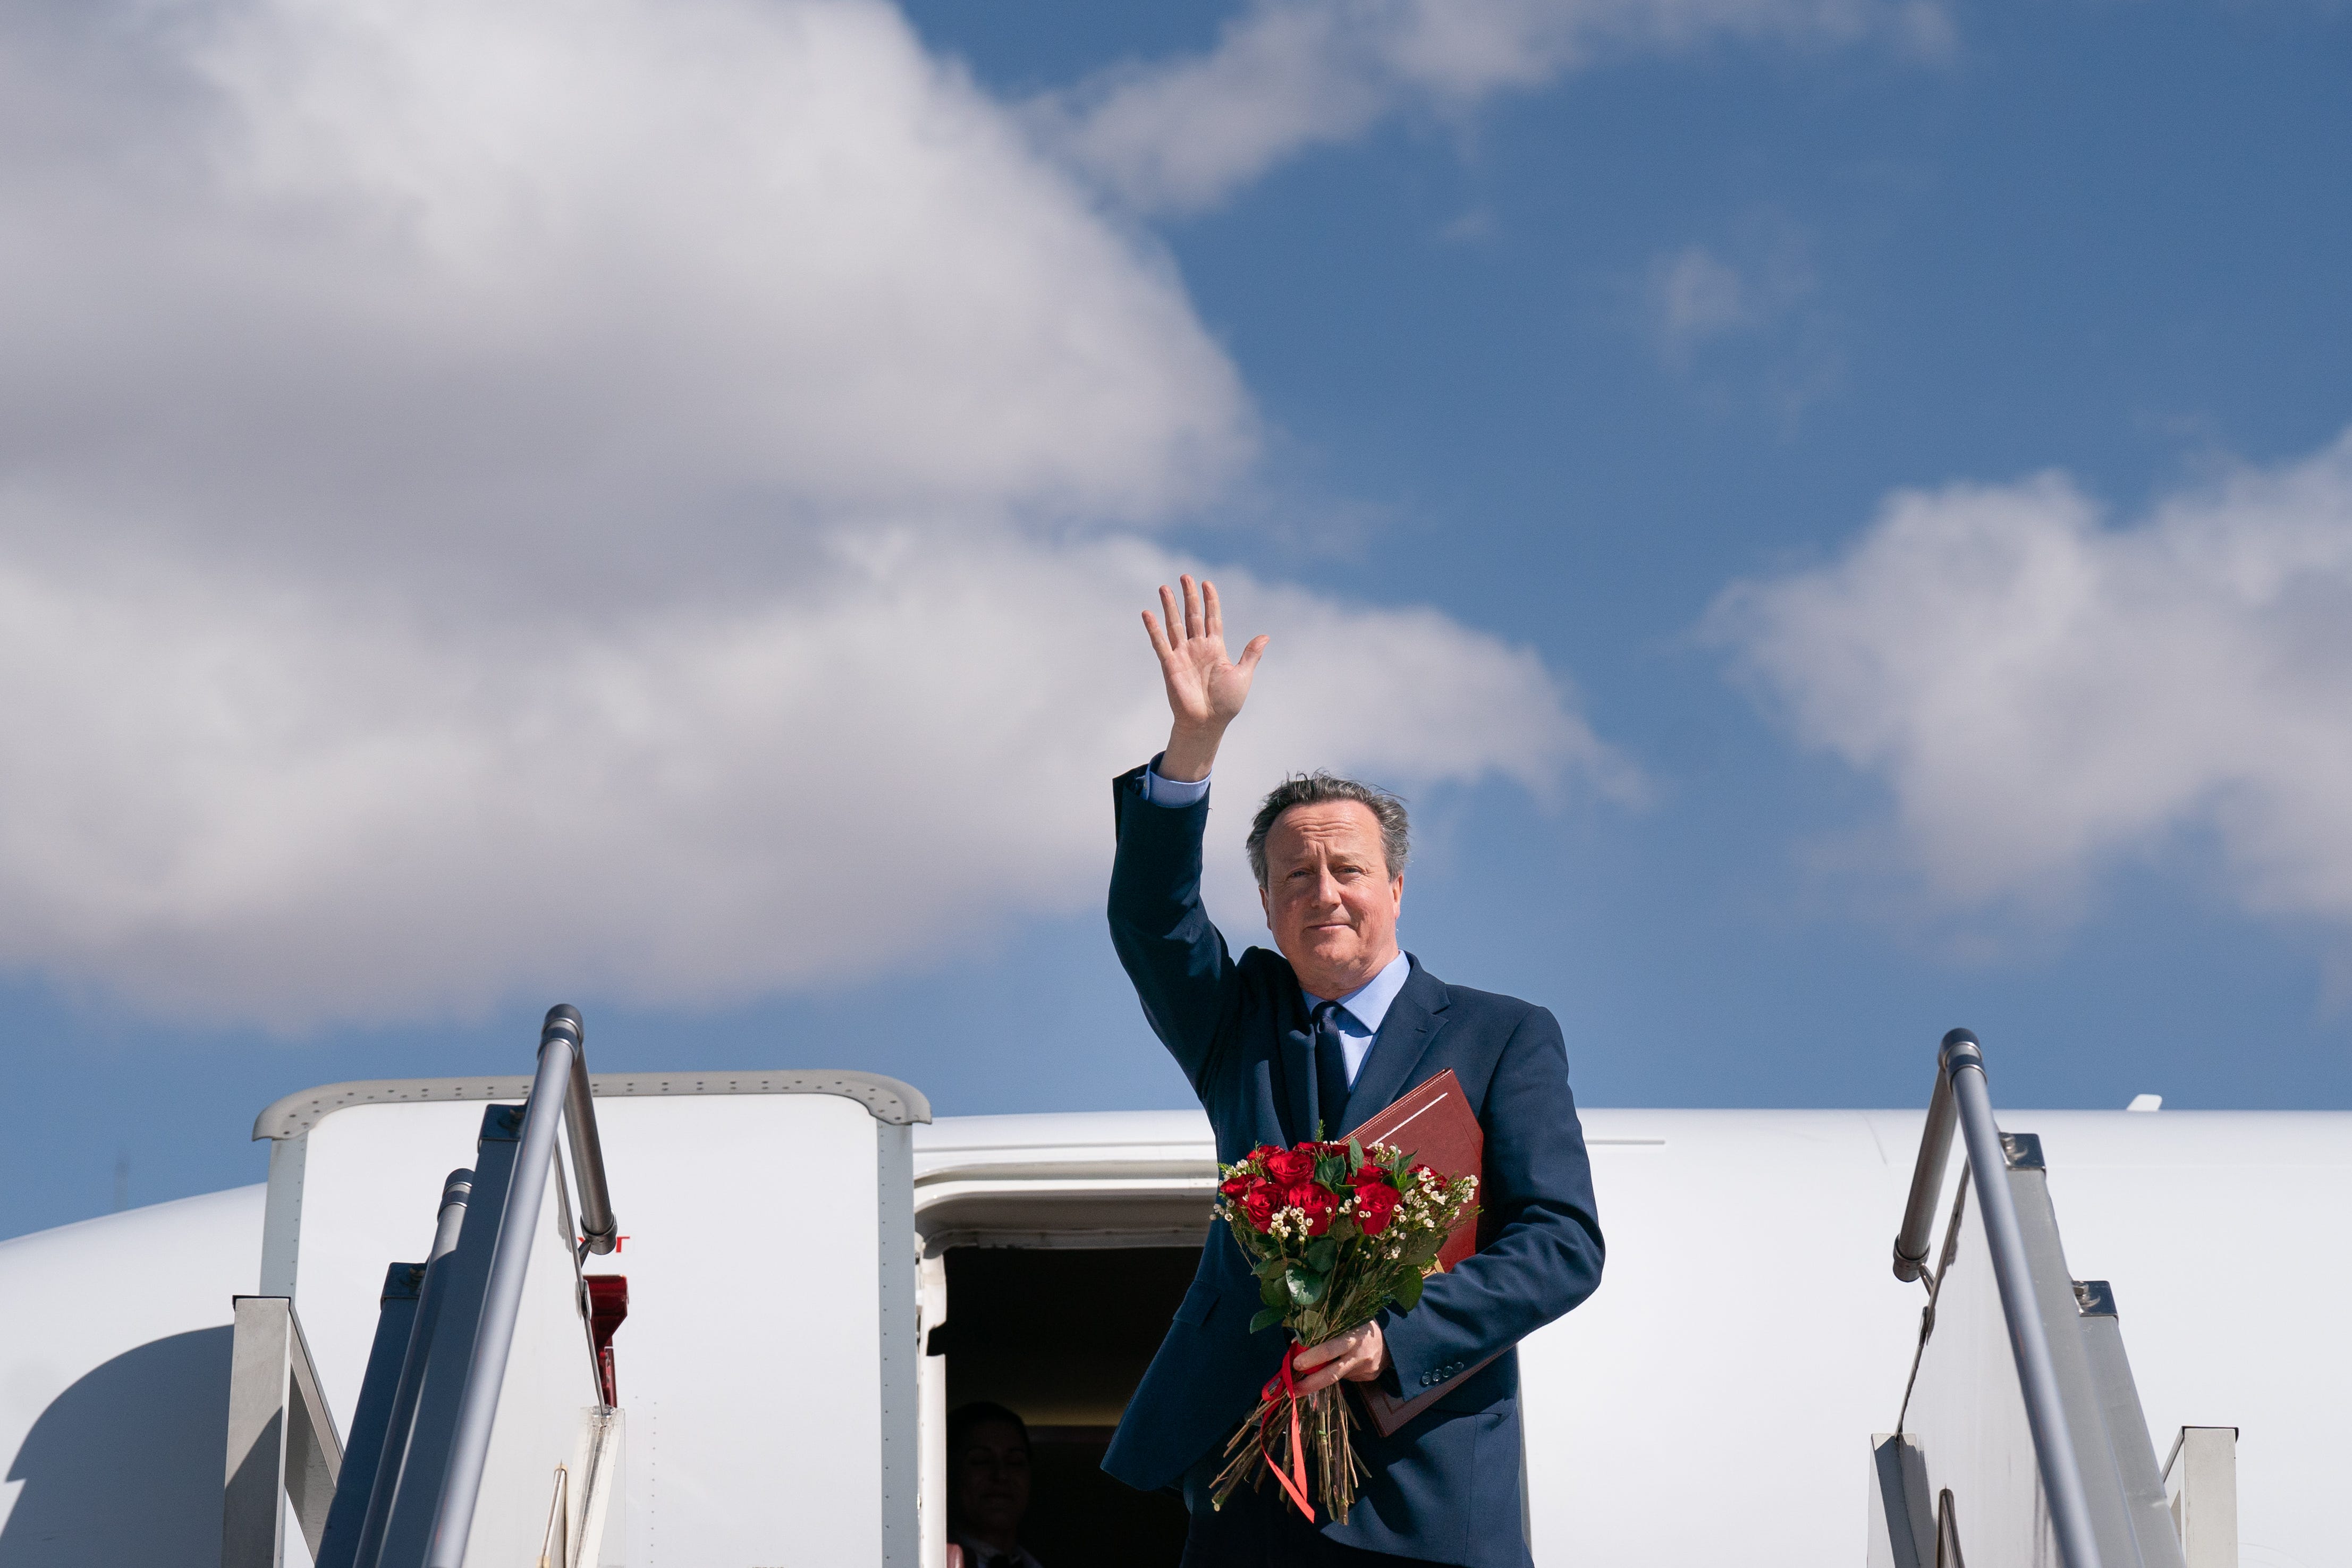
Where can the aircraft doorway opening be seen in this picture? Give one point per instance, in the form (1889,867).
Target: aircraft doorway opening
(1061,1337)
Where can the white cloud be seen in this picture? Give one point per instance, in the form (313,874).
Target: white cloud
(509,277)
(232,800)
(1289,74)
(1740,322)
(501,497)
(2044,692)
(1697,296)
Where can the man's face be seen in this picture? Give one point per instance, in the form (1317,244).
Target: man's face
(1329,899)
(992,1478)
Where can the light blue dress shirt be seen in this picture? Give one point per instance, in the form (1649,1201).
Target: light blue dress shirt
(1361,1010)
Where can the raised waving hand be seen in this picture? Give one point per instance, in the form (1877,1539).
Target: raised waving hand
(1205,688)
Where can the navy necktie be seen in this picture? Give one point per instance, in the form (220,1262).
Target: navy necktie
(1330,1068)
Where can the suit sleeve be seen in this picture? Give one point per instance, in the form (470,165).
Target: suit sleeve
(1175,957)
(1544,1257)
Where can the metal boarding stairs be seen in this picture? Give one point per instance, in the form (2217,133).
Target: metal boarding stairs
(2021,1438)
(497,1318)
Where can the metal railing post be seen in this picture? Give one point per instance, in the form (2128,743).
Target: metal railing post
(1926,1181)
(470,1447)
(281,1437)
(1962,1062)
(598,1228)
(456,1189)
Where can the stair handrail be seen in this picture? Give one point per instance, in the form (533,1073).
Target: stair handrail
(1962,1095)
(558,1092)
(599,1231)
(400,1419)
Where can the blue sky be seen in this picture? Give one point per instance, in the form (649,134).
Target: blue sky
(1555,411)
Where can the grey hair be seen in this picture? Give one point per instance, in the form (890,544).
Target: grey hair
(1317,788)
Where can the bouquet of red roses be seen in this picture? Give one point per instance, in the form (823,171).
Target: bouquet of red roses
(1335,1232)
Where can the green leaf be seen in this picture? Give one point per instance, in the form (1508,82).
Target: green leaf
(1408,1293)
(1271,1266)
(1344,1228)
(1307,1286)
(1265,1318)
(1321,1253)
(1273,1291)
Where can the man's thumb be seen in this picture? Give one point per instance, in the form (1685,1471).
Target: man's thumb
(1251,654)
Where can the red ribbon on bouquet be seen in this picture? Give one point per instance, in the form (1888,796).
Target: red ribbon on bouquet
(1286,1382)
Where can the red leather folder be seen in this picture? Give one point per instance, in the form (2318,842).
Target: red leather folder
(1436,1127)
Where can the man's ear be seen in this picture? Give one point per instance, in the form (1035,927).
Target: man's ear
(1266,901)
(1396,891)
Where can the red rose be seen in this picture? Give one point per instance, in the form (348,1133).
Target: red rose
(1288,1167)
(1258,1204)
(1376,1205)
(1234,1185)
(1261,1154)
(1318,1202)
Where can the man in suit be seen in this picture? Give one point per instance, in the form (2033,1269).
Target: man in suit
(1329,1031)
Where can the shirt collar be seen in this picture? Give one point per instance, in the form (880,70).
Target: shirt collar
(1368,1003)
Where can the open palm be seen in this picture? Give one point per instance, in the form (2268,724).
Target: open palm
(1205,688)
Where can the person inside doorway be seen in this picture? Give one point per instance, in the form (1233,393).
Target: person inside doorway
(988,1486)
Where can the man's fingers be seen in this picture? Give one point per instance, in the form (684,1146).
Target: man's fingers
(1214,615)
(1354,1357)
(1345,1359)
(1195,622)
(1337,1346)
(1173,615)
(1324,1375)
(1317,1354)
(1158,638)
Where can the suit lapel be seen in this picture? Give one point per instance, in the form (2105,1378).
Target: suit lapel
(1412,1026)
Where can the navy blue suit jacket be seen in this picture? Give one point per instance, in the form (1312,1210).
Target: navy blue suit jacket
(1446,1486)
